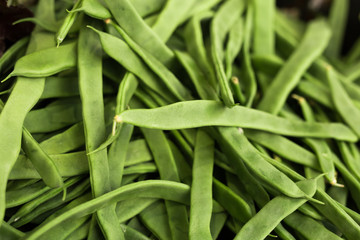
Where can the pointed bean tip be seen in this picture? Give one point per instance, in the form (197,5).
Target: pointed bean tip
(300,99)
(241,131)
(107,21)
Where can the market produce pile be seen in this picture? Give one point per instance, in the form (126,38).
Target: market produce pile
(191,119)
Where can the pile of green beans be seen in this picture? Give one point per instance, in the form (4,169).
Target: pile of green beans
(175,120)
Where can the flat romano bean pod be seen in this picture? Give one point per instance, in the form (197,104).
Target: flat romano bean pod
(170,17)
(30,206)
(155,218)
(131,62)
(20,196)
(199,113)
(178,218)
(250,85)
(10,233)
(195,45)
(205,91)
(290,74)
(128,209)
(342,102)
(201,188)
(274,212)
(43,64)
(234,204)
(68,140)
(126,16)
(283,147)
(309,228)
(151,188)
(53,203)
(264,20)
(169,79)
(43,164)
(53,117)
(220,25)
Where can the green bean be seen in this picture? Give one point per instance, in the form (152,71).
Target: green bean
(217,223)
(351,156)
(10,233)
(310,211)
(20,196)
(137,152)
(200,113)
(54,117)
(250,85)
(30,206)
(342,102)
(53,203)
(351,182)
(300,60)
(170,17)
(170,80)
(70,164)
(264,35)
(283,147)
(89,66)
(126,16)
(178,219)
(80,233)
(265,171)
(140,169)
(67,23)
(117,155)
(118,150)
(18,184)
(131,233)
(234,204)
(12,54)
(201,190)
(68,140)
(94,230)
(337,21)
(195,46)
(321,148)
(225,17)
(333,212)
(274,212)
(155,218)
(184,169)
(128,209)
(43,64)
(233,46)
(131,62)
(151,188)
(204,90)
(11,121)
(309,228)
(43,164)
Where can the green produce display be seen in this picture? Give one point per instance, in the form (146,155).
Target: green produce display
(179,119)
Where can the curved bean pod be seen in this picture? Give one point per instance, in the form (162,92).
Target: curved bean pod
(289,76)
(201,188)
(43,64)
(168,190)
(274,212)
(200,113)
